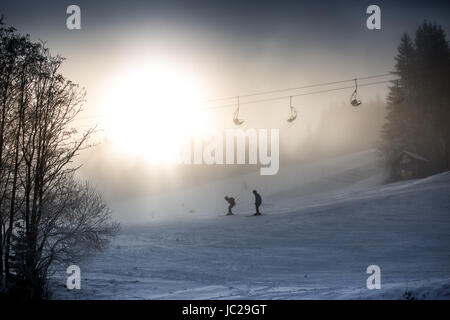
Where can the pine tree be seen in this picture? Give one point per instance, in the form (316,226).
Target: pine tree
(418,103)
(397,128)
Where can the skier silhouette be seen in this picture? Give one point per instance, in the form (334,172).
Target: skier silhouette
(231,204)
(258,202)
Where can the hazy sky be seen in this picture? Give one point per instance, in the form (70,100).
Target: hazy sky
(229,47)
(222,48)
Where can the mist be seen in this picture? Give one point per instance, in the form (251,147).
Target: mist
(226,51)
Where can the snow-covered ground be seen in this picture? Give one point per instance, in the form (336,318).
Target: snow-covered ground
(321,228)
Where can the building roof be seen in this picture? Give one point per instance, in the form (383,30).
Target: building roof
(414,155)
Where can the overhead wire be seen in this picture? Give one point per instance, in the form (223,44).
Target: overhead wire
(261,93)
(298,88)
(297,95)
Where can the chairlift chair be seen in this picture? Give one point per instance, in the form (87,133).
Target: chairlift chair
(354,101)
(236,119)
(293,111)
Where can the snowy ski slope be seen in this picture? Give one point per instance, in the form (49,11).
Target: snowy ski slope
(322,227)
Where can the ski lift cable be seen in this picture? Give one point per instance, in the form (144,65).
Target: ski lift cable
(284,90)
(391,74)
(297,95)
(239,103)
(298,88)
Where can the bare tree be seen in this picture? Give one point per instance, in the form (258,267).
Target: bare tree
(46,215)
(8,59)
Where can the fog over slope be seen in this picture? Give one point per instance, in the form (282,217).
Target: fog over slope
(303,247)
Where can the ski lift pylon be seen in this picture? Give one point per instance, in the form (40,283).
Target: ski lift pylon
(236,119)
(293,111)
(354,101)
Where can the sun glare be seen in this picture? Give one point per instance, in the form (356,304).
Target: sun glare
(150,111)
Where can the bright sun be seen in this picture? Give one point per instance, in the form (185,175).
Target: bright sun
(150,111)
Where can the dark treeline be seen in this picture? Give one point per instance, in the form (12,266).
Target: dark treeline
(419,103)
(46,216)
